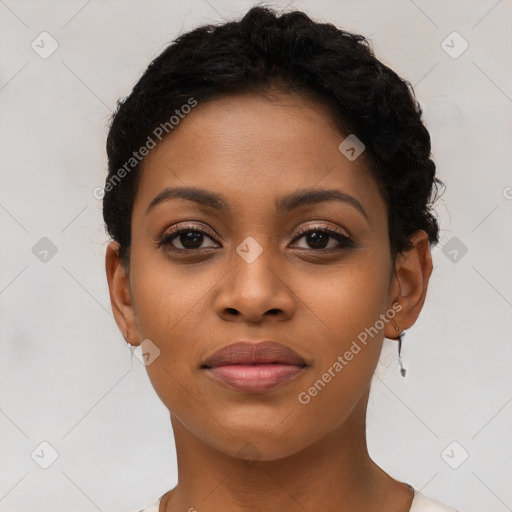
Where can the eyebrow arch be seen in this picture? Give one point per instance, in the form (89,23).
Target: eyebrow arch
(302,197)
(197,195)
(307,196)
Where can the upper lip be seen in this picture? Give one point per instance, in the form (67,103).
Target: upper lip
(245,352)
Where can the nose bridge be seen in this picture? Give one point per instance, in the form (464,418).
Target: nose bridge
(252,266)
(254,286)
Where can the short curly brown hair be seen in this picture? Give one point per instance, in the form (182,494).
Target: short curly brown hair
(298,55)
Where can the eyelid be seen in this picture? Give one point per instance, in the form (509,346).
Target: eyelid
(173,231)
(187,225)
(300,231)
(343,238)
(322,226)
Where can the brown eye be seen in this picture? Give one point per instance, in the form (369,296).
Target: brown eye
(186,238)
(318,239)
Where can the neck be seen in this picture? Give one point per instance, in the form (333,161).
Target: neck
(334,473)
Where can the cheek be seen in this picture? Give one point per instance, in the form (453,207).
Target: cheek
(169,311)
(347,338)
(166,296)
(345,301)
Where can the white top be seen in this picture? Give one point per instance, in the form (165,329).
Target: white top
(420,503)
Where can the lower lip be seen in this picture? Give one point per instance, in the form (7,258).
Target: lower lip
(255,378)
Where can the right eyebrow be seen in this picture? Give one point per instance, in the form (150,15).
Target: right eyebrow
(197,195)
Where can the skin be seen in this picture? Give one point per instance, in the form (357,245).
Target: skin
(266,451)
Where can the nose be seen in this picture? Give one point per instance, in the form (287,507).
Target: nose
(253,291)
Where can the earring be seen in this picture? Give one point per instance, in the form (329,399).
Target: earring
(128,344)
(131,348)
(400,338)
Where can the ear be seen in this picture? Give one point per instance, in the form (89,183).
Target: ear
(410,282)
(120,294)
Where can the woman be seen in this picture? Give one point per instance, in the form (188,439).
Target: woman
(269,201)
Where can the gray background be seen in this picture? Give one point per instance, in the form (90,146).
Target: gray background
(65,371)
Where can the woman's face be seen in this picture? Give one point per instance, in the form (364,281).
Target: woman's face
(248,274)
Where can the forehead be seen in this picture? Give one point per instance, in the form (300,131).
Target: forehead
(252,149)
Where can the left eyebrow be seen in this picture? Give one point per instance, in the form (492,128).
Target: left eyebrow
(314,196)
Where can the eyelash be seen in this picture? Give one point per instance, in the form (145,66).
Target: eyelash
(345,242)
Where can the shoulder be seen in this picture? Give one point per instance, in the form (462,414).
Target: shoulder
(422,503)
(153,507)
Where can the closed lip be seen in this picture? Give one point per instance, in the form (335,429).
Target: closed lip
(253,353)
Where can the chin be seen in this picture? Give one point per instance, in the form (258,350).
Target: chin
(252,445)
